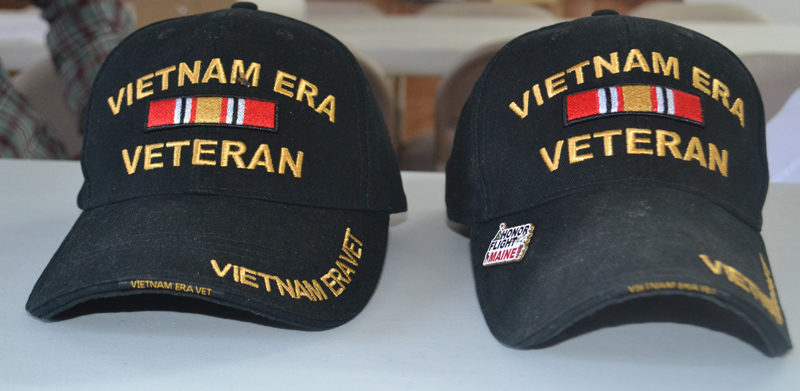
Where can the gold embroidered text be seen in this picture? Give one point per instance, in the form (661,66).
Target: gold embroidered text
(634,141)
(336,279)
(200,152)
(768,300)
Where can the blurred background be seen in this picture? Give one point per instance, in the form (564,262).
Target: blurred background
(422,57)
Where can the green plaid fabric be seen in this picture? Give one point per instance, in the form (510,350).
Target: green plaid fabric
(82,33)
(23,132)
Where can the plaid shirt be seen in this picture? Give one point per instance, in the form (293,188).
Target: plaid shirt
(82,33)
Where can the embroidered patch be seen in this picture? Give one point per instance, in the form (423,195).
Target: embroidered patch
(212,110)
(633,99)
(508,245)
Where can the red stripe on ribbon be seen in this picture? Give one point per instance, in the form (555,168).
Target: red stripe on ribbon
(688,106)
(654,99)
(585,104)
(223,113)
(254,113)
(582,104)
(259,113)
(620,100)
(194,110)
(161,113)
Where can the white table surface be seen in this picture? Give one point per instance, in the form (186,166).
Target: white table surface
(422,329)
(418,45)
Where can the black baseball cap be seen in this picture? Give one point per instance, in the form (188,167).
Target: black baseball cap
(611,170)
(238,158)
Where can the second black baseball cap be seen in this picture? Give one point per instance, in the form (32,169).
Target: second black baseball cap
(238,158)
(612,169)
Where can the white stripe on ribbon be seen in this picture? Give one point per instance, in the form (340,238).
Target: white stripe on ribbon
(670,101)
(229,112)
(601,101)
(240,112)
(187,114)
(176,117)
(614,99)
(659,100)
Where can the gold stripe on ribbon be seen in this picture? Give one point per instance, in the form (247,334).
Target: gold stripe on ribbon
(636,98)
(209,110)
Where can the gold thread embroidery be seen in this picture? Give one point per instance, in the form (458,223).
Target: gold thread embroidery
(142,85)
(635,61)
(150,154)
(198,152)
(694,151)
(284,85)
(209,109)
(192,74)
(337,279)
(206,153)
(672,144)
(163,73)
(637,98)
(236,154)
(296,165)
(573,148)
(171,286)
(266,162)
(552,164)
(246,78)
(215,71)
(671,285)
(555,84)
(608,146)
(578,70)
(183,73)
(522,113)
(669,66)
(638,141)
(176,150)
(768,301)
(632,141)
(600,63)
(130,166)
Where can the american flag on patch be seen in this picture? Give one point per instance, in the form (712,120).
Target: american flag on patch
(634,99)
(207,110)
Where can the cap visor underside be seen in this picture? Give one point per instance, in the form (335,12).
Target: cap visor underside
(666,254)
(302,267)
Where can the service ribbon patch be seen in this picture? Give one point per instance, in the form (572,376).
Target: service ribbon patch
(212,110)
(508,245)
(633,99)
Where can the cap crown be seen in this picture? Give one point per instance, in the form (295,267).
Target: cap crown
(240,103)
(606,99)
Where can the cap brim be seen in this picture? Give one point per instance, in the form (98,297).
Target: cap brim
(663,253)
(302,267)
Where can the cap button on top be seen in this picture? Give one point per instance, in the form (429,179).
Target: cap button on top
(245,5)
(604,12)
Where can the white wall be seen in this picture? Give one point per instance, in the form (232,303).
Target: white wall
(776,11)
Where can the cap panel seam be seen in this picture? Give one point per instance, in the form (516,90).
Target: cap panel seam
(764,185)
(239,193)
(476,124)
(255,196)
(348,56)
(481,114)
(100,74)
(362,128)
(759,120)
(561,193)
